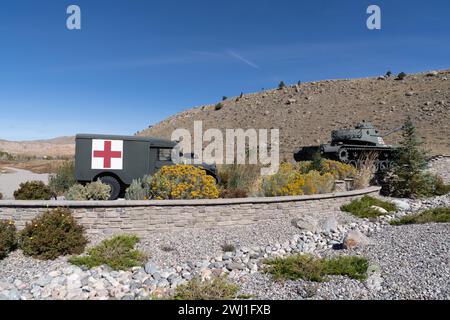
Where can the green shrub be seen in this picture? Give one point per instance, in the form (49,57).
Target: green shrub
(76,193)
(92,191)
(401,76)
(216,289)
(33,190)
(281,85)
(362,207)
(437,215)
(63,179)
(6,156)
(98,191)
(137,190)
(218,106)
(310,268)
(8,240)
(317,162)
(440,188)
(389,73)
(183,182)
(117,252)
(228,247)
(54,234)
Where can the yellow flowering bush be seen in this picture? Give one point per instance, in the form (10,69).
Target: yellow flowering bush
(8,239)
(182,182)
(338,169)
(317,183)
(288,181)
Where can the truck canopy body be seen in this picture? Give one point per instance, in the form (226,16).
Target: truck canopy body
(125,157)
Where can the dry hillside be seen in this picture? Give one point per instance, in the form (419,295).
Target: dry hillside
(58,147)
(306,113)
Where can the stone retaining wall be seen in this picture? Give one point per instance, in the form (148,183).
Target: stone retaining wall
(440,165)
(104,218)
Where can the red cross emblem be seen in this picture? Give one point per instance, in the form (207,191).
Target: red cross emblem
(107,154)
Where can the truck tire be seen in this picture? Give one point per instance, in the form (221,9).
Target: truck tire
(114,184)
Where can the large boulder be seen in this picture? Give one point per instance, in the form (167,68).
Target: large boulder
(329,225)
(355,238)
(305,223)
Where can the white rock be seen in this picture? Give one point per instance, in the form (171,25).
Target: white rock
(73,281)
(401,204)
(379,209)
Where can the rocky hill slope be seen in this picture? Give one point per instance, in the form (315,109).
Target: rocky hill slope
(306,113)
(57,147)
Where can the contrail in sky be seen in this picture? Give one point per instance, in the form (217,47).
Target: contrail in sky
(242,59)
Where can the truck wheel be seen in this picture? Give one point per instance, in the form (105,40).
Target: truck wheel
(114,184)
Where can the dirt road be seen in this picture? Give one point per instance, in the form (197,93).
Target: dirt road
(9,182)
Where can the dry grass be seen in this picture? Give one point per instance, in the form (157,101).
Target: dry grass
(365,171)
(39,166)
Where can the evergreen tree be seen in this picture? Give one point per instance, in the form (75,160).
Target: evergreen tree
(281,85)
(408,178)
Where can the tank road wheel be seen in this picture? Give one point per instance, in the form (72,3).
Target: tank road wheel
(343,155)
(353,163)
(384,165)
(114,184)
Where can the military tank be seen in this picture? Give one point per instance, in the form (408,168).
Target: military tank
(352,145)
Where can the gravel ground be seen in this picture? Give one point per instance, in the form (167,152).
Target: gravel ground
(195,245)
(171,248)
(414,262)
(28,267)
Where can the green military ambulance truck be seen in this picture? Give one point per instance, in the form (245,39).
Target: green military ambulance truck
(117,160)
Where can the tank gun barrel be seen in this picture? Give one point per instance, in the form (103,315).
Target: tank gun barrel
(392,131)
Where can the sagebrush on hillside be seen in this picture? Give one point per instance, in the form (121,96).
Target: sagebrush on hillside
(322,106)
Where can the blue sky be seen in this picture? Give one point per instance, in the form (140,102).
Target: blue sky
(135,62)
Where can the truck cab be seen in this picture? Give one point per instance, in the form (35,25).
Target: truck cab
(118,160)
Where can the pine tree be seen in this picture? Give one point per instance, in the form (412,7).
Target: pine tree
(281,85)
(408,177)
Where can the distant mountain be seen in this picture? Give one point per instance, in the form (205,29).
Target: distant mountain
(306,113)
(57,147)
